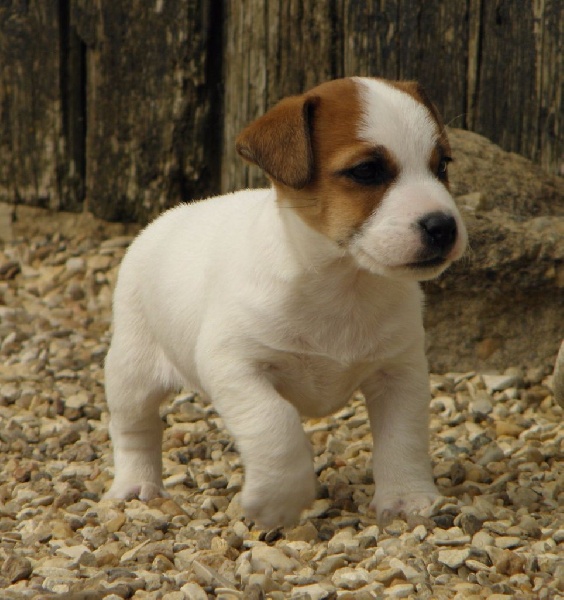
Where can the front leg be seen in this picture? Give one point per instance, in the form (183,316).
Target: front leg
(397,399)
(276,454)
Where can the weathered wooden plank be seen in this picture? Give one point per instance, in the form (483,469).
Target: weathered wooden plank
(31,157)
(245,68)
(473,66)
(507,99)
(149,95)
(304,46)
(371,38)
(273,49)
(549,84)
(73,108)
(409,39)
(433,40)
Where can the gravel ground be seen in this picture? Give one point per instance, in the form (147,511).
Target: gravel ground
(497,444)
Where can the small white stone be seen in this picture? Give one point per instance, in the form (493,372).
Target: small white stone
(558,536)
(498,383)
(454,558)
(343,541)
(57,586)
(99,262)
(262,580)
(408,571)
(317,509)
(75,265)
(351,579)
(419,532)
(194,592)
(449,537)
(315,591)
(303,576)
(331,563)
(481,405)
(243,569)
(444,405)
(120,241)
(209,575)
(235,511)
(372,531)
(74,552)
(264,557)
(400,590)
(177,479)
(476,565)
(240,529)
(130,554)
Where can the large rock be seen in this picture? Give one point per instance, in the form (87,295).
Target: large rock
(504,303)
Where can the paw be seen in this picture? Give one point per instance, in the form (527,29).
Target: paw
(144,491)
(278,503)
(389,506)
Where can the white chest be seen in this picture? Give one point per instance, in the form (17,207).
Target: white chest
(316,386)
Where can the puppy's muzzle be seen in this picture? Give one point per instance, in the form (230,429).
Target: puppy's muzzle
(438,236)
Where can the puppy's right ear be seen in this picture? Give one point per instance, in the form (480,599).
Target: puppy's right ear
(280,141)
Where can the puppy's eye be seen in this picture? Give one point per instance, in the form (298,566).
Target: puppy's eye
(372,172)
(442,170)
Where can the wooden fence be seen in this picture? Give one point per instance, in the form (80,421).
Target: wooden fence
(128,106)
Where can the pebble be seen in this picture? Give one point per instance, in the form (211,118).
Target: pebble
(498,383)
(507,541)
(558,536)
(350,579)
(509,429)
(15,568)
(454,558)
(491,454)
(264,557)
(332,563)
(508,562)
(400,590)
(313,591)
(453,536)
(495,443)
(386,576)
(343,541)
(481,405)
(306,532)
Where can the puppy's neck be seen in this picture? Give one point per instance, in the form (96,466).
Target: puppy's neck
(312,250)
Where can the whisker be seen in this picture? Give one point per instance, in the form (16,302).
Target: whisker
(314,202)
(298,205)
(464,114)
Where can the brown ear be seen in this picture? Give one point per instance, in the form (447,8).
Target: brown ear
(279,142)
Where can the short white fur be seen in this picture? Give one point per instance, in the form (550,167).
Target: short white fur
(241,300)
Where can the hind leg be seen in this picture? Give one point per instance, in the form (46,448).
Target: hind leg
(134,392)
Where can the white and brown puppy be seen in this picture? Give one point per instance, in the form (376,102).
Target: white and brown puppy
(280,303)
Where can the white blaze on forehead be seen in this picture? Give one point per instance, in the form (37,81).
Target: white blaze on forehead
(396,120)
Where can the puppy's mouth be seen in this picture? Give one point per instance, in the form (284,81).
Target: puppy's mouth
(427,263)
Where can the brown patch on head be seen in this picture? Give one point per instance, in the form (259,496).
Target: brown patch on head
(308,145)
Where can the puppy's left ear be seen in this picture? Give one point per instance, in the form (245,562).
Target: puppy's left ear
(280,141)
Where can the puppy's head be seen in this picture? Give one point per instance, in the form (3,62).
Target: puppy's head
(365,162)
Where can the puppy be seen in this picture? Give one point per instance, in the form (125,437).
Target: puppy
(281,303)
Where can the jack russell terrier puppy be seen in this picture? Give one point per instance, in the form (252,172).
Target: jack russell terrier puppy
(280,303)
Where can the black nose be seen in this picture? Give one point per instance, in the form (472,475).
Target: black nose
(439,230)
